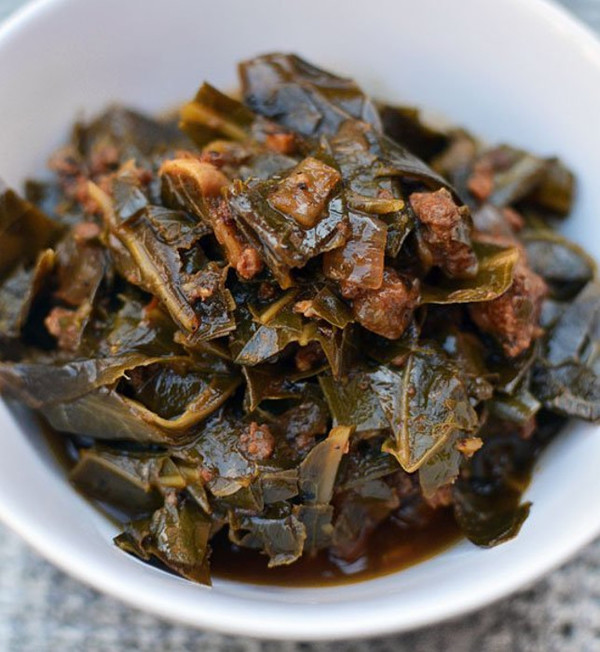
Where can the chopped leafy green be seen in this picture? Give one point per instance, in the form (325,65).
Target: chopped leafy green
(300,327)
(425,402)
(302,97)
(281,537)
(353,403)
(177,535)
(328,306)
(24,230)
(487,498)
(126,481)
(319,468)
(556,258)
(20,290)
(283,243)
(211,114)
(494,277)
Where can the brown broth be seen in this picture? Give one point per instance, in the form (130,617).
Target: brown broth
(390,549)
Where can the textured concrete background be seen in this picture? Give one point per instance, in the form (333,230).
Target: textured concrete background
(43,609)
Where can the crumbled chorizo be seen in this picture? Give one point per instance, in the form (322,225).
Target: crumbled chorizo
(79,191)
(203,284)
(249,263)
(66,162)
(481,181)
(71,173)
(206,474)
(388,310)
(65,324)
(282,143)
(305,308)
(257,442)
(513,318)
(445,234)
(74,173)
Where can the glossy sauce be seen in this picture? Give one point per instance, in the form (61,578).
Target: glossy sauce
(391,548)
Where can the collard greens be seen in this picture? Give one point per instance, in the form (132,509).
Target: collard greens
(294,318)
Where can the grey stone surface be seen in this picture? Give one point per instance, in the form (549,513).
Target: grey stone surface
(41,608)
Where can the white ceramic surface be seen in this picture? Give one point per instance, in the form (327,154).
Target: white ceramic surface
(515,70)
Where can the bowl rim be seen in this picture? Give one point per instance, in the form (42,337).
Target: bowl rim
(581,38)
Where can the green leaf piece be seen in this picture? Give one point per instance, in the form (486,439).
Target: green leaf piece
(248,331)
(494,277)
(425,403)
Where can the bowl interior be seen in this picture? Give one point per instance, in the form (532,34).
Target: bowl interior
(511,70)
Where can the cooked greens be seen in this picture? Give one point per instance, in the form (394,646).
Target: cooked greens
(295,319)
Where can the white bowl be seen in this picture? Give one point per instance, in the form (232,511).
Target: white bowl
(520,71)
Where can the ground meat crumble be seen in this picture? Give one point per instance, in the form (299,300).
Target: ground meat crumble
(257,442)
(445,233)
(513,318)
(388,310)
